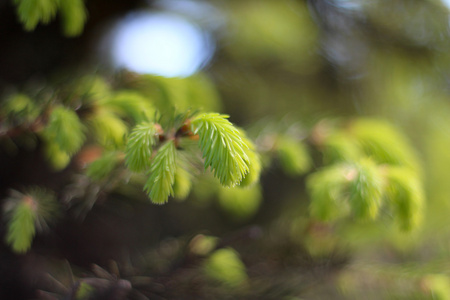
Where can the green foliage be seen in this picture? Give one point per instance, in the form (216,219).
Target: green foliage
(339,146)
(405,193)
(74,14)
(293,156)
(65,129)
(130,104)
(381,141)
(27,212)
(21,108)
(103,167)
(240,203)
(21,226)
(225,267)
(56,157)
(109,129)
(366,188)
(139,146)
(222,147)
(327,190)
(159,185)
(31,12)
(193,92)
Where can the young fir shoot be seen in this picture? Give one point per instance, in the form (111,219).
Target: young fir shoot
(405,193)
(26,213)
(65,130)
(139,146)
(159,185)
(222,147)
(21,229)
(31,12)
(74,16)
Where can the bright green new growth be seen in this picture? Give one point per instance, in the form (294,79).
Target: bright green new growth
(130,104)
(327,189)
(159,185)
(74,16)
(27,213)
(109,128)
(405,193)
(73,13)
(31,12)
(65,130)
(225,266)
(20,106)
(382,142)
(21,226)
(139,147)
(340,147)
(294,157)
(222,147)
(57,158)
(366,188)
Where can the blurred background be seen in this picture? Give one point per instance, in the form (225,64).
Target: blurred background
(280,66)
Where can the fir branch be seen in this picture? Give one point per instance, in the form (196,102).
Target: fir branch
(73,16)
(222,147)
(131,104)
(327,191)
(386,145)
(31,12)
(65,129)
(139,146)
(21,225)
(406,195)
(366,189)
(109,128)
(159,185)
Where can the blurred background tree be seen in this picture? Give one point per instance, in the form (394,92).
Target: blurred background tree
(346,103)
